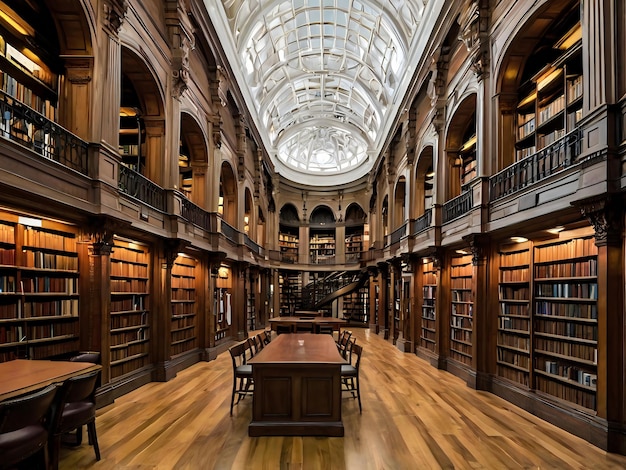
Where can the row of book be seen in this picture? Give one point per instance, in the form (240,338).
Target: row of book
(514,375)
(587,268)
(526,125)
(182,308)
(123,339)
(134,320)
(514,323)
(7,233)
(124,269)
(461,282)
(188,283)
(49,331)
(43,260)
(7,256)
(25,95)
(7,283)
(570,372)
(183,322)
(551,109)
(126,366)
(522,310)
(516,292)
(63,285)
(429,292)
(129,285)
(183,346)
(461,352)
(134,302)
(184,294)
(459,295)
(515,275)
(574,350)
(127,253)
(50,308)
(428,313)
(513,341)
(587,311)
(574,248)
(578,290)
(41,238)
(579,396)
(180,336)
(567,329)
(183,271)
(461,322)
(525,152)
(464,309)
(128,349)
(574,89)
(513,358)
(543,140)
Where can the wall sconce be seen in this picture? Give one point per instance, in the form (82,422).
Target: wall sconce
(222,272)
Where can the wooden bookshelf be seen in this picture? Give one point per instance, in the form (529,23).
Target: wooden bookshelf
(322,247)
(550,103)
(514,322)
(222,302)
(131,143)
(290,292)
(184,329)
(288,243)
(428,329)
(130,307)
(462,314)
(39,308)
(354,245)
(251,310)
(565,320)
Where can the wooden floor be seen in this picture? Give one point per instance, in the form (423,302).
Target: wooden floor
(414,417)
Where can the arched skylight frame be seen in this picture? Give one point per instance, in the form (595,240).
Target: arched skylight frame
(324,69)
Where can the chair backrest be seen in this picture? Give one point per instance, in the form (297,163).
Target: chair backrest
(87,356)
(251,347)
(238,354)
(263,338)
(259,343)
(27,410)
(356,350)
(348,349)
(80,389)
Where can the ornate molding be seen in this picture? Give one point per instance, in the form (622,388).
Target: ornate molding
(605,214)
(436,255)
(114,15)
(100,231)
(477,244)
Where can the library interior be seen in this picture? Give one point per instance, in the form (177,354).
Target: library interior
(380,234)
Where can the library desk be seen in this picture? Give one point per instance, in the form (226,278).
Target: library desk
(307,322)
(297,387)
(25,375)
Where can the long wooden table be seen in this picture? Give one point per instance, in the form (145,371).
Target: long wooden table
(25,375)
(307,322)
(297,387)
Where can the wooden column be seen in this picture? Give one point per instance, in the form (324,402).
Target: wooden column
(383,300)
(606,215)
(485,331)
(374,297)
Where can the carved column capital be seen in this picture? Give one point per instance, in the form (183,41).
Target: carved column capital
(605,214)
(477,243)
(435,253)
(100,231)
(114,14)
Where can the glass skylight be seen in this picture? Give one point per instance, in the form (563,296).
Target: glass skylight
(323,75)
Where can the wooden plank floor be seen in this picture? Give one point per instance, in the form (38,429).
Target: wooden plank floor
(414,417)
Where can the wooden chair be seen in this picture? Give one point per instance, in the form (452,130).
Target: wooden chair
(264,338)
(242,373)
(342,344)
(75,406)
(92,357)
(350,372)
(24,428)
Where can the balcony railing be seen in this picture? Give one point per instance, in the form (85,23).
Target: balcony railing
(548,161)
(31,129)
(423,222)
(254,246)
(458,206)
(196,215)
(138,186)
(230,232)
(397,235)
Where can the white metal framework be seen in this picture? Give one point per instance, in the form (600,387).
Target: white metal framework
(325,77)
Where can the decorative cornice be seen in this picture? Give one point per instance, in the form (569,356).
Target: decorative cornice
(114,15)
(477,246)
(605,214)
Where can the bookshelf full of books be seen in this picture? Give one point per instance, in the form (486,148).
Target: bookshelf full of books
(130,307)
(462,314)
(566,319)
(288,243)
(39,297)
(550,103)
(290,283)
(251,310)
(354,245)
(429,295)
(184,336)
(514,323)
(322,247)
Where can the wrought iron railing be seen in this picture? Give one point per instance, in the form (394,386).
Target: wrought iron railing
(26,126)
(458,206)
(196,215)
(138,186)
(230,232)
(423,221)
(254,246)
(547,161)
(398,234)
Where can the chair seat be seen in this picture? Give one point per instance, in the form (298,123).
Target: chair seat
(76,414)
(244,370)
(348,370)
(23,441)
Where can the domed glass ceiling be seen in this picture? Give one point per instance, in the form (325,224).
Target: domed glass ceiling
(323,79)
